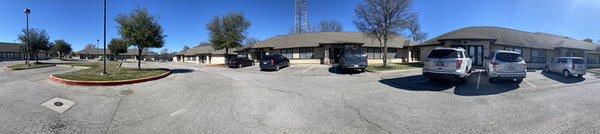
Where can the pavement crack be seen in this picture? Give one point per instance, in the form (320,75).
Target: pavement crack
(360,114)
(113,115)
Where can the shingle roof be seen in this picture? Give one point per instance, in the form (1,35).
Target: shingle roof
(10,47)
(508,36)
(100,51)
(316,39)
(208,49)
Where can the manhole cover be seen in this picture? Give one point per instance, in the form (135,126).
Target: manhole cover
(58,104)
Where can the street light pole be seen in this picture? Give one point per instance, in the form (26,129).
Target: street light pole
(104,53)
(27,11)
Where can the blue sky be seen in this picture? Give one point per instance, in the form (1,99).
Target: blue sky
(184,21)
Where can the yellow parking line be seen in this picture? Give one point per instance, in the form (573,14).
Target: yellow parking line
(528,83)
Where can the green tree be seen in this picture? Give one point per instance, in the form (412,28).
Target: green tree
(385,19)
(61,47)
(228,31)
(142,30)
(185,48)
(34,41)
(117,46)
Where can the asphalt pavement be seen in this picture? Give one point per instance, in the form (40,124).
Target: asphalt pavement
(299,99)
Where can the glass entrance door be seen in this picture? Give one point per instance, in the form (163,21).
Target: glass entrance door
(475,52)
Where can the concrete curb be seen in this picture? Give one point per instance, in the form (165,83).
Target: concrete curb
(108,83)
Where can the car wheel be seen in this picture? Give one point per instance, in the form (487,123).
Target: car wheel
(253,63)
(519,80)
(277,68)
(547,69)
(491,80)
(579,75)
(566,73)
(240,65)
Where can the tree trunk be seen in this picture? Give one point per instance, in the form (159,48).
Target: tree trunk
(140,58)
(59,56)
(226,55)
(385,48)
(37,60)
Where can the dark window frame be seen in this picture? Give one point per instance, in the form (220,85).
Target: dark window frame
(537,58)
(306,53)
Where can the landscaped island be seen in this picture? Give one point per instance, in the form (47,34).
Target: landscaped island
(116,73)
(31,66)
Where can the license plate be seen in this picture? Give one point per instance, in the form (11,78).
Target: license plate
(355,65)
(439,63)
(511,68)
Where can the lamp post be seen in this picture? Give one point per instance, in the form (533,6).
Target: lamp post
(104,53)
(27,11)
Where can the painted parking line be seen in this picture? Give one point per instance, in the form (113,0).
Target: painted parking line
(528,83)
(308,69)
(478,80)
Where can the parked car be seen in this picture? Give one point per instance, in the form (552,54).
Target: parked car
(354,58)
(568,66)
(274,62)
(448,63)
(240,62)
(502,64)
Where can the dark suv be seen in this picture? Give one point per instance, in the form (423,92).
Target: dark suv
(273,62)
(354,58)
(240,62)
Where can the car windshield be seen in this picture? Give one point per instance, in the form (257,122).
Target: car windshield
(509,57)
(578,61)
(443,54)
(355,53)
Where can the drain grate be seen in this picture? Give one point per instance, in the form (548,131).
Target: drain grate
(59,105)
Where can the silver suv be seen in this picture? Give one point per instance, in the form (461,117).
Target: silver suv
(503,64)
(448,63)
(568,66)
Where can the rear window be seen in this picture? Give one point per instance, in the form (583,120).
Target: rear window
(578,61)
(355,52)
(509,57)
(443,54)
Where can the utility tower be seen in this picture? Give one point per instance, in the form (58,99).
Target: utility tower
(301,17)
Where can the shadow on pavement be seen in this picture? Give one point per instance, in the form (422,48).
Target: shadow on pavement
(335,69)
(470,88)
(560,78)
(181,71)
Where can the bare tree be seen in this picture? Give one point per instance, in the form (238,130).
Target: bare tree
(383,20)
(415,32)
(250,41)
(588,40)
(203,44)
(330,26)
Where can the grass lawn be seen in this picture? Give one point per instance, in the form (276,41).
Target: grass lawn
(393,66)
(115,72)
(32,65)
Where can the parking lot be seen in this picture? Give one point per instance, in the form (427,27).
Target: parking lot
(477,83)
(300,99)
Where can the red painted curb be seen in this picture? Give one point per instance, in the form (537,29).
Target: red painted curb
(108,83)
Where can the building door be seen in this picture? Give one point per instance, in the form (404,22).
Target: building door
(475,53)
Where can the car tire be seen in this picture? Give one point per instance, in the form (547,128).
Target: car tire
(253,63)
(580,75)
(277,68)
(547,69)
(491,80)
(462,80)
(519,81)
(566,74)
(240,65)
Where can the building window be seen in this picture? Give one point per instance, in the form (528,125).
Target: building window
(306,53)
(374,53)
(287,53)
(538,56)
(520,50)
(392,53)
(1,55)
(592,59)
